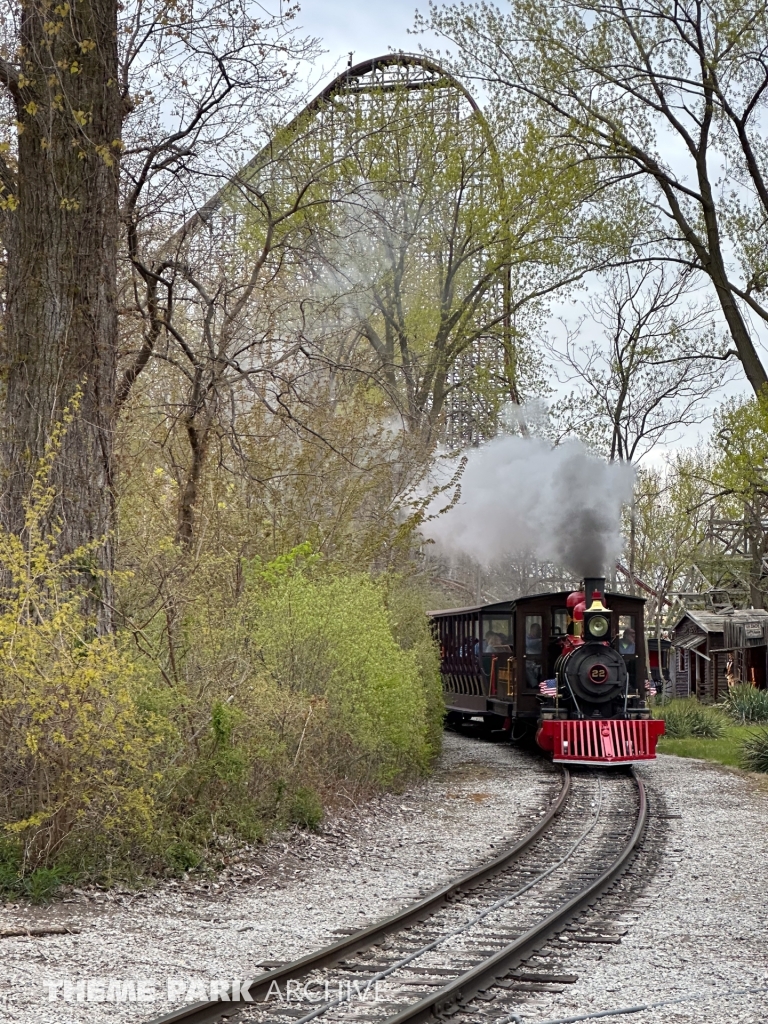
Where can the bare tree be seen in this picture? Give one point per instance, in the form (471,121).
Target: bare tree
(125,114)
(670,95)
(215,310)
(650,373)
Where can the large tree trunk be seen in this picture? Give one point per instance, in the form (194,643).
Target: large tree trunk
(61,324)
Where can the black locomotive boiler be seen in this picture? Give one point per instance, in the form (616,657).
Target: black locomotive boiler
(570,665)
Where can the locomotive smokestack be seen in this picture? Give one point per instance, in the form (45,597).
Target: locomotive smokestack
(591,584)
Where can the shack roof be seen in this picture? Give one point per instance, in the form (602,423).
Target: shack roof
(714,622)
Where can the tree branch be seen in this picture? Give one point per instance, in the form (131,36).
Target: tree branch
(9,77)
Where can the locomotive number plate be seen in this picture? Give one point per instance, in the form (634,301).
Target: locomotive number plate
(598,674)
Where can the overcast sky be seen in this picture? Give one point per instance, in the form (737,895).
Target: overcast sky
(369,28)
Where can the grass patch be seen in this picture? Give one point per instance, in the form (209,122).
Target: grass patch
(726,749)
(39,886)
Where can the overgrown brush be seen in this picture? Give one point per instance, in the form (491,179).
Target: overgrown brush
(265,709)
(318,682)
(687,717)
(754,752)
(332,639)
(745,703)
(77,774)
(237,696)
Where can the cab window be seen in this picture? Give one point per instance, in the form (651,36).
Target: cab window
(533,651)
(626,645)
(496,633)
(627,635)
(533,626)
(559,621)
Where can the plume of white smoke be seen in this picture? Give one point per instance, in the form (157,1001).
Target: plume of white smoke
(520,494)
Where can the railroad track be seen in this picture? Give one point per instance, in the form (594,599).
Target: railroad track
(460,948)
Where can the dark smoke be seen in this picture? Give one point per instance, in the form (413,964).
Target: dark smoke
(583,542)
(520,494)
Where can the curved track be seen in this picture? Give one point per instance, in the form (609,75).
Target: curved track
(440,953)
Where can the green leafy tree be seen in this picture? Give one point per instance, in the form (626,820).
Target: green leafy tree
(740,488)
(437,248)
(670,522)
(453,251)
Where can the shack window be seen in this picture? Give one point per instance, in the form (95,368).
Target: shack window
(496,633)
(627,634)
(533,651)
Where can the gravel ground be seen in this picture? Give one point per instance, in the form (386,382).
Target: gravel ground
(696,923)
(279,903)
(698,928)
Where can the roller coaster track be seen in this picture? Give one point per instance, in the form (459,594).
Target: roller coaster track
(428,958)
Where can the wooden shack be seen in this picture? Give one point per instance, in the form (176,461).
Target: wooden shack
(705,642)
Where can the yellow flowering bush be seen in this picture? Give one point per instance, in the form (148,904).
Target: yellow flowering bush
(249,696)
(76,744)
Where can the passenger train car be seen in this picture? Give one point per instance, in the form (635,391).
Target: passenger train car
(569,665)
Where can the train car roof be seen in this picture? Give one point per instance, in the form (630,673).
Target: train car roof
(498,606)
(508,606)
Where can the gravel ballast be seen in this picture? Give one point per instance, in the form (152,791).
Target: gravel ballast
(696,924)
(696,932)
(286,901)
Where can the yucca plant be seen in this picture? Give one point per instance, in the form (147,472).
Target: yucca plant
(754,752)
(685,718)
(745,703)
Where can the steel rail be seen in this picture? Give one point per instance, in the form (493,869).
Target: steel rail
(209,1011)
(465,987)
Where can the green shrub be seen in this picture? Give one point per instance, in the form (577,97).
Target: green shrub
(305,808)
(407,605)
(754,752)
(745,703)
(181,856)
(329,644)
(684,718)
(306,682)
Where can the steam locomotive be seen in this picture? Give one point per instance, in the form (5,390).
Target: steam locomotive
(569,665)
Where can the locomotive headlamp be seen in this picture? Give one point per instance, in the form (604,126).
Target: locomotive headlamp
(596,619)
(598,625)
